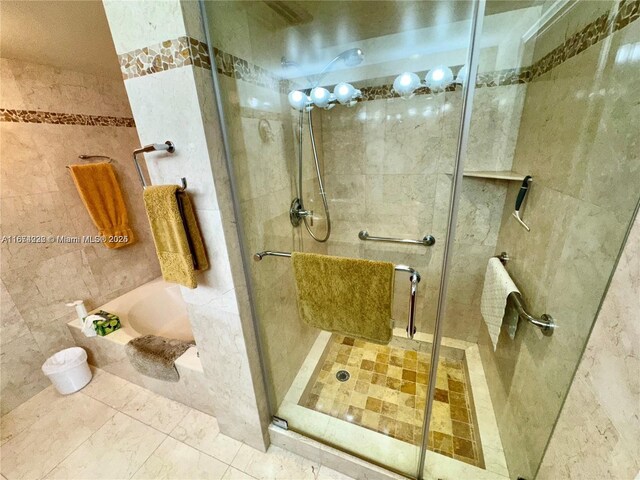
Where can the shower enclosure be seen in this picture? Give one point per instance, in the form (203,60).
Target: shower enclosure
(351,122)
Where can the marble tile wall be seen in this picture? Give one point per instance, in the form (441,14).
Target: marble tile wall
(218,308)
(389,165)
(579,141)
(597,433)
(393,184)
(38,197)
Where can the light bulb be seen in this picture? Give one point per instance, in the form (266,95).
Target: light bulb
(406,83)
(461,78)
(320,96)
(439,78)
(297,99)
(344,92)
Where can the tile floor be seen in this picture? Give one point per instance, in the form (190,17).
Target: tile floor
(386,393)
(113,429)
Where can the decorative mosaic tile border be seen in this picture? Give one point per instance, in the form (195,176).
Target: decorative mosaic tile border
(185,51)
(235,67)
(605,25)
(34,116)
(167,55)
(511,76)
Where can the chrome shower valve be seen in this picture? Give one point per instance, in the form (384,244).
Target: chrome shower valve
(297,213)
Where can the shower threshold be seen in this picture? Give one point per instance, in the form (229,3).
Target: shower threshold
(377,413)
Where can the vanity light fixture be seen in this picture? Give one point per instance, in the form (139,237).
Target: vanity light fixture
(439,78)
(462,75)
(322,98)
(346,94)
(406,83)
(298,100)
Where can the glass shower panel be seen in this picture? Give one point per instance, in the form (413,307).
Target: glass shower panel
(553,100)
(385,163)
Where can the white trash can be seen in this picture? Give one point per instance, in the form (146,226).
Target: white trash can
(68,370)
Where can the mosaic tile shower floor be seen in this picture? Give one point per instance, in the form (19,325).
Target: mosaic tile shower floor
(386,392)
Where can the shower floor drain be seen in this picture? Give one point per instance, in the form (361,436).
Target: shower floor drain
(343,375)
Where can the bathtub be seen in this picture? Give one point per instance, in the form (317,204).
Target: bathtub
(155,308)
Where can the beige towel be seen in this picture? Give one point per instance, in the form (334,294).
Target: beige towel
(100,192)
(155,356)
(345,295)
(175,233)
(497,287)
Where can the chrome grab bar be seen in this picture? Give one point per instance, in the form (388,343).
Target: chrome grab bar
(415,279)
(268,253)
(427,240)
(546,323)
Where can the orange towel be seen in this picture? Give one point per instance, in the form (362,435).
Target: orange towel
(100,192)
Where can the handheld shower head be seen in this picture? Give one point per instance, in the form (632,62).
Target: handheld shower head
(352,57)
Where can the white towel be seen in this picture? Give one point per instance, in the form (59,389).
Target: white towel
(497,287)
(89,328)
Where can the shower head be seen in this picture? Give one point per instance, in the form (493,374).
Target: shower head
(352,57)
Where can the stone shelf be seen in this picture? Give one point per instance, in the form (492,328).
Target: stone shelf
(495,175)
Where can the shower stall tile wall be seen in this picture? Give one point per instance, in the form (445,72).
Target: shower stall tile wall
(389,171)
(578,138)
(81,114)
(553,99)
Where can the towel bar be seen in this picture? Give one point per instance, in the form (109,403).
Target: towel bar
(427,240)
(415,279)
(88,157)
(167,146)
(546,323)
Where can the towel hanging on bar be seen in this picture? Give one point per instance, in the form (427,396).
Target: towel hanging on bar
(175,233)
(497,288)
(100,192)
(349,296)
(413,292)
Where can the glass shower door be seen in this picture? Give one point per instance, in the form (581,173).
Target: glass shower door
(384,149)
(549,97)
